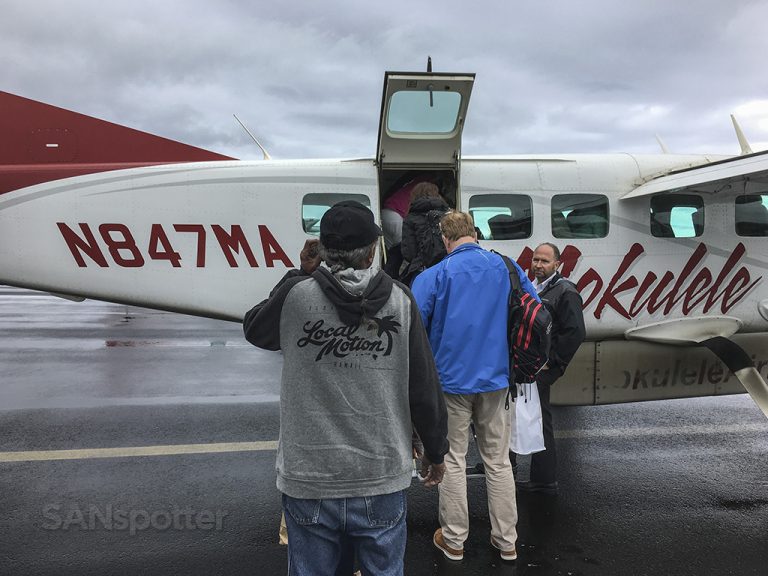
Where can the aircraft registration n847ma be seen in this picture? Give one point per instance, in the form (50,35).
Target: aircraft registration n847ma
(670,252)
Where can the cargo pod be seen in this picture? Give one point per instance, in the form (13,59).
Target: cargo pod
(422,118)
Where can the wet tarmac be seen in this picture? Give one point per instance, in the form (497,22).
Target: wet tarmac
(140,442)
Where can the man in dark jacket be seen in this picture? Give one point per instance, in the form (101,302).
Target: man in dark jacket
(564,303)
(358,375)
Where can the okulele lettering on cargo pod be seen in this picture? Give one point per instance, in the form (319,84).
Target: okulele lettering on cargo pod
(706,372)
(124,250)
(705,288)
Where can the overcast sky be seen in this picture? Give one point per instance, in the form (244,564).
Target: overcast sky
(306,76)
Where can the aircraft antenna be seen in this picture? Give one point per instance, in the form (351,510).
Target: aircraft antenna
(664,148)
(430,87)
(745,147)
(263,151)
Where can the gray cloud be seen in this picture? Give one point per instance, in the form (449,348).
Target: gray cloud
(556,76)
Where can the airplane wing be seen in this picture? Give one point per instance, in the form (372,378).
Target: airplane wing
(715,177)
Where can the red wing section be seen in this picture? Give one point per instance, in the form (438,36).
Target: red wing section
(40,142)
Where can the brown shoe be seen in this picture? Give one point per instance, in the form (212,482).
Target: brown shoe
(450,553)
(508,555)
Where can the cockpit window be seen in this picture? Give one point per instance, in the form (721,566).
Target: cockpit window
(752,215)
(423,111)
(677,216)
(501,216)
(315,205)
(579,216)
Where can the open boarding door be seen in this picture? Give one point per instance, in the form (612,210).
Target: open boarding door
(422,118)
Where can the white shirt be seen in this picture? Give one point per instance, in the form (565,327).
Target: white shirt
(540,286)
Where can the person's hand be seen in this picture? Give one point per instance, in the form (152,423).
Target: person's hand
(418,447)
(309,256)
(431,473)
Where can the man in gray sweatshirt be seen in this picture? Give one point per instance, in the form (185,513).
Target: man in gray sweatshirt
(358,377)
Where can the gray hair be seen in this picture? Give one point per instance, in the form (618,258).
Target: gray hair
(338,260)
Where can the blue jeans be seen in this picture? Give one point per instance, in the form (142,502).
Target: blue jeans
(324,535)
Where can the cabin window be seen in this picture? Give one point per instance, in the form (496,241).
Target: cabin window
(313,206)
(752,215)
(677,216)
(422,111)
(579,216)
(501,216)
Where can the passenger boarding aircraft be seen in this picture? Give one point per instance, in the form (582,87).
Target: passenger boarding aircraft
(670,252)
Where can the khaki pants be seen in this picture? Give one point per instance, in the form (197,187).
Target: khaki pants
(492,425)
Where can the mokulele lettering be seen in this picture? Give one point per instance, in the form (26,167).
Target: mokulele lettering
(629,296)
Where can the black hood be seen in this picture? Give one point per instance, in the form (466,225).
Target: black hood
(427,204)
(352,309)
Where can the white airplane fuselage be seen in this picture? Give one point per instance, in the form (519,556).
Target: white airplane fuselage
(212,239)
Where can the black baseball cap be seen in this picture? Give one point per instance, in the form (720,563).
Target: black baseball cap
(348,225)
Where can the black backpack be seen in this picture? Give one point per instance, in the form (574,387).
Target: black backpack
(530,328)
(430,241)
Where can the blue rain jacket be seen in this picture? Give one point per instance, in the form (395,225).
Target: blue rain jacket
(463,302)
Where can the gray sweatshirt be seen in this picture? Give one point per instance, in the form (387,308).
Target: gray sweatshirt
(357,371)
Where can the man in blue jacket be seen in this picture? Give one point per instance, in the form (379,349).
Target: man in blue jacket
(463,303)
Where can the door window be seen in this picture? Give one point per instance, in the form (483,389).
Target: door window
(423,112)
